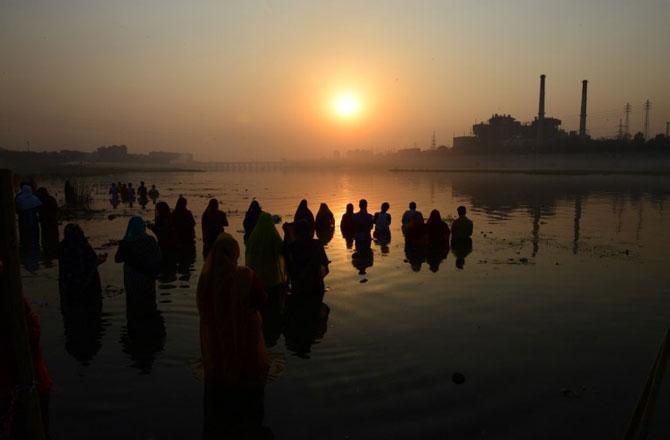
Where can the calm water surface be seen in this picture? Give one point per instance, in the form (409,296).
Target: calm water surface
(555,318)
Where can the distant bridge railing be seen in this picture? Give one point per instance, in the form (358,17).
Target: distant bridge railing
(247,166)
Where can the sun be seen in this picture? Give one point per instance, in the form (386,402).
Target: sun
(346,105)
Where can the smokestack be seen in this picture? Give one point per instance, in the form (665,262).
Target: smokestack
(540,113)
(582,114)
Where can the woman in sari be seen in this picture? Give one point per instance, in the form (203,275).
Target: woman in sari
(213,222)
(78,277)
(304,213)
(307,265)
(141,257)
(347,223)
(437,230)
(27,207)
(325,220)
(183,226)
(48,222)
(161,227)
(264,252)
(234,358)
(250,219)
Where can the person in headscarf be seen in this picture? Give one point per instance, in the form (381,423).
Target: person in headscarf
(213,222)
(48,213)
(347,223)
(161,227)
(234,359)
(264,253)
(183,225)
(307,264)
(141,257)
(413,226)
(78,277)
(304,213)
(250,218)
(325,220)
(27,207)
(437,230)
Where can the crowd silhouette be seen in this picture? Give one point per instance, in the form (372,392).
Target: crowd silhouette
(243,309)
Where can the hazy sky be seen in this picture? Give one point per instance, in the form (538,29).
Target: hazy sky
(257,79)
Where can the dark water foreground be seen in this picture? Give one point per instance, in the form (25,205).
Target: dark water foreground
(554,319)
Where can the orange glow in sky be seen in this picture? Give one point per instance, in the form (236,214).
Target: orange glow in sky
(347,105)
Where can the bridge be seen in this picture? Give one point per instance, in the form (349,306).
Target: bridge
(247,166)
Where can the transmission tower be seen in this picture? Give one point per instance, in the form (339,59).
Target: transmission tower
(627,109)
(433,142)
(647,107)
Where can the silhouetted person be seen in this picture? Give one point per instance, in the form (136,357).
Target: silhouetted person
(141,257)
(114,195)
(48,214)
(78,277)
(154,194)
(411,214)
(234,359)
(123,191)
(347,225)
(383,225)
(363,223)
(130,191)
(325,220)
(264,255)
(307,265)
(250,218)
(70,195)
(27,208)
(142,195)
(304,213)
(461,228)
(413,227)
(162,229)
(213,222)
(183,227)
(437,230)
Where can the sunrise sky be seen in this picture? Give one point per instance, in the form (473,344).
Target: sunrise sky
(271,79)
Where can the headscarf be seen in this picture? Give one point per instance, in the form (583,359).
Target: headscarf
(136,229)
(231,339)
(250,218)
(263,251)
(437,229)
(162,215)
(26,200)
(303,212)
(325,217)
(77,262)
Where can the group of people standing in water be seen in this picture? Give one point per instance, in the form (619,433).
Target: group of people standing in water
(125,193)
(243,308)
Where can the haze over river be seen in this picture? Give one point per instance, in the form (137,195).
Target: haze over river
(554,319)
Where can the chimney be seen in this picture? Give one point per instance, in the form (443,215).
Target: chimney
(582,114)
(540,113)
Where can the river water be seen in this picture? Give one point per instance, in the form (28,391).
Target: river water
(554,318)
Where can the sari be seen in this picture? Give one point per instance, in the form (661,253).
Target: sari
(213,222)
(264,252)
(231,340)
(78,277)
